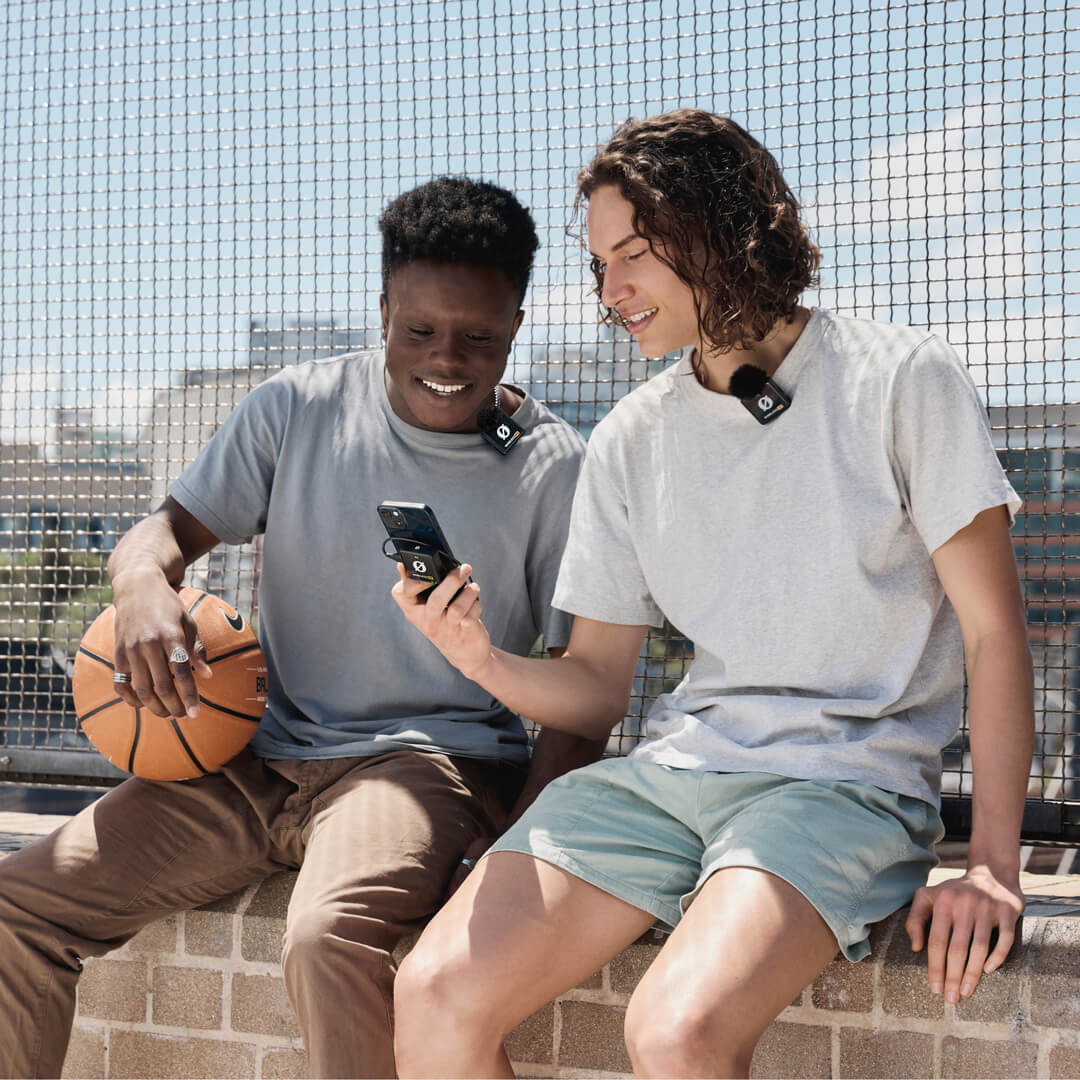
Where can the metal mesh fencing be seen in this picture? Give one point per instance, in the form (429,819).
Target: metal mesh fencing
(190,194)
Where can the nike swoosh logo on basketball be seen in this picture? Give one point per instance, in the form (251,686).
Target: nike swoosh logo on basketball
(235,621)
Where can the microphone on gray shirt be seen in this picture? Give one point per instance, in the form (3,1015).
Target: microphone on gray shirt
(499,428)
(761,397)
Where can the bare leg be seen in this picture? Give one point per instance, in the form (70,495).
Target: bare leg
(749,943)
(517,933)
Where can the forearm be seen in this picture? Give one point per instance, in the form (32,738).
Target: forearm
(554,753)
(148,551)
(1001,721)
(568,694)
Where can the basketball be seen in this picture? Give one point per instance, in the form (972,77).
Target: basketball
(175,748)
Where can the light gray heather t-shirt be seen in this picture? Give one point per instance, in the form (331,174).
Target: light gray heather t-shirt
(795,555)
(305,459)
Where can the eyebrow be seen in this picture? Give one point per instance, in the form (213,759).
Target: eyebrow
(622,243)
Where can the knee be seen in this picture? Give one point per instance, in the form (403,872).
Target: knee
(318,935)
(437,991)
(424,990)
(676,1038)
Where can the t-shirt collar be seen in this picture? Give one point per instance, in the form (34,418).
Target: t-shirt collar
(526,416)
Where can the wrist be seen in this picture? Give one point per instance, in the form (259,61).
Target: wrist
(132,581)
(481,672)
(1003,864)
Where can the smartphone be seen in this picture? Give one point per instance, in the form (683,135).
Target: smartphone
(419,543)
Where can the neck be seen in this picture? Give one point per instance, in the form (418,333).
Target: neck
(718,366)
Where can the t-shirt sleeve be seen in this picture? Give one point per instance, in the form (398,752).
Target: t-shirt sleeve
(227,487)
(943,453)
(601,577)
(549,539)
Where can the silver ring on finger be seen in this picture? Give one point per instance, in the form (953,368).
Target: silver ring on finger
(121,677)
(469,863)
(179,655)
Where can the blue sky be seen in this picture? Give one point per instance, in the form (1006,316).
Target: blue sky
(171,170)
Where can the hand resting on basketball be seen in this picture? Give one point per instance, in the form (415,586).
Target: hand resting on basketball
(452,626)
(150,623)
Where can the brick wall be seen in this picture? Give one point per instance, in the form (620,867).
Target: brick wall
(200,995)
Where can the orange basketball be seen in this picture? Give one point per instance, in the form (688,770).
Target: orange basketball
(171,748)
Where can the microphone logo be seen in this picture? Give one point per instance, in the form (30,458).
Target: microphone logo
(503,432)
(765,403)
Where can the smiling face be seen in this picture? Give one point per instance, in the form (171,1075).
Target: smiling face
(448,330)
(652,301)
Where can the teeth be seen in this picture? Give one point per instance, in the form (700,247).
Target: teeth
(633,320)
(444,388)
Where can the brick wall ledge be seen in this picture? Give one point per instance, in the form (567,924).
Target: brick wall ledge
(200,994)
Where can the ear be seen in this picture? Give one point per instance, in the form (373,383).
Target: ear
(519,318)
(384,313)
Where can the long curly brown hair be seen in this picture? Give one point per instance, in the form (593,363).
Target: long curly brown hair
(714,206)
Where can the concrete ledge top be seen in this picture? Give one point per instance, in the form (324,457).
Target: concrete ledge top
(1046,894)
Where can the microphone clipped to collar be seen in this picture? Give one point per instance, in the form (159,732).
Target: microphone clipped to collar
(499,428)
(761,397)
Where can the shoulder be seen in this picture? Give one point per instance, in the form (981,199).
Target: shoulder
(315,384)
(553,449)
(876,347)
(640,406)
(318,378)
(557,437)
(891,354)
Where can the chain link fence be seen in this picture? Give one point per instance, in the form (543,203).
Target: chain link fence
(190,194)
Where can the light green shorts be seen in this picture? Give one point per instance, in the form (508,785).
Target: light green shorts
(651,835)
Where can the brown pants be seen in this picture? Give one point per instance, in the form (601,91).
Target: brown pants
(376,840)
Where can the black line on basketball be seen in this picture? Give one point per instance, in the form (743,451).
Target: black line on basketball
(94,712)
(198,601)
(94,656)
(235,652)
(187,749)
(135,741)
(231,712)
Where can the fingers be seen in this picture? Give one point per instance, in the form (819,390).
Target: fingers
(1006,935)
(198,659)
(961,933)
(956,957)
(980,946)
(937,947)
(162,676)
(921,908)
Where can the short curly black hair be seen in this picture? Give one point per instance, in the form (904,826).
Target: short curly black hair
(453,219)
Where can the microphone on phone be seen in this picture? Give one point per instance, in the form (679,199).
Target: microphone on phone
(761,397)
(499,429)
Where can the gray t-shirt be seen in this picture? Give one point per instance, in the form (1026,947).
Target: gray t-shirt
(795,555)
(305,459)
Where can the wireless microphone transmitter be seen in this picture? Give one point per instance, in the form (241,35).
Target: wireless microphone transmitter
(760,396)
(499,429)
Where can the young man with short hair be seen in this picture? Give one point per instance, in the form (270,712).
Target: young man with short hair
(378,770)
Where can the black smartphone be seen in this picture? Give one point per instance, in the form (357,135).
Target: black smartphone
(418,540)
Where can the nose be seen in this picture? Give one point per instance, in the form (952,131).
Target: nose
(446,348)
(616,288)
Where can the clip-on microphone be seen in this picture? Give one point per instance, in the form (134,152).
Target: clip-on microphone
(499,428)
(761,397)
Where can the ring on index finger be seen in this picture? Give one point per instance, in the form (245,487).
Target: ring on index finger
(179,655)
(120,677)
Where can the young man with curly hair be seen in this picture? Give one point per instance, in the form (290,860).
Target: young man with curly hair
(815,501)
(378,770)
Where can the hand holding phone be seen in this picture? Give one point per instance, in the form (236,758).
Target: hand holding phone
(418,541)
